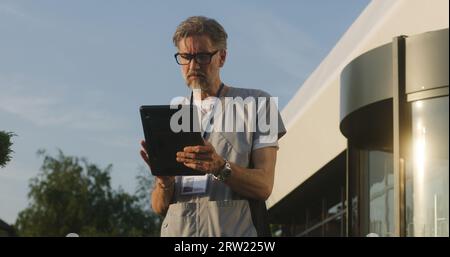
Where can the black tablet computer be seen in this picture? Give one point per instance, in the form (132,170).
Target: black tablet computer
(163,142)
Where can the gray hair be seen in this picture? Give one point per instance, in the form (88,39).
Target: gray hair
(200,25)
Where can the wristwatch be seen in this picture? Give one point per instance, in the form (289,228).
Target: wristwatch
(224,173)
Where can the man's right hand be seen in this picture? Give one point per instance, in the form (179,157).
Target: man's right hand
(164,181)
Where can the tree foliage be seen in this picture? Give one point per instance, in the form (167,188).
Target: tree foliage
(5,147)
(71,195)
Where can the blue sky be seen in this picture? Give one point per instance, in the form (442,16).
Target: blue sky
(74,73)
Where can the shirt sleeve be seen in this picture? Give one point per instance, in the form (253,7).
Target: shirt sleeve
(269,126)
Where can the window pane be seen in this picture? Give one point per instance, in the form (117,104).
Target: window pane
(427,180)
(381,193)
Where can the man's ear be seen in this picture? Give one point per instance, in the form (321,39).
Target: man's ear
(223,57)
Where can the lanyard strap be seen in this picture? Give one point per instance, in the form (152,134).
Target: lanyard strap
(212,111)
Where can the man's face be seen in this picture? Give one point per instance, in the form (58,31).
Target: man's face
(200,76)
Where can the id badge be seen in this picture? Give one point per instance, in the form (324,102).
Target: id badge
(193,184)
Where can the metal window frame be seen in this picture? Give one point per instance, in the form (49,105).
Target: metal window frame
(430,93)
(402,132)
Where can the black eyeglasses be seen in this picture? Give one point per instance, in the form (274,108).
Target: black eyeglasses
(200,58)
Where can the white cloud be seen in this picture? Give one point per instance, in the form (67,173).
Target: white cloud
(13,12)
(9,9)
(282,44)
(117,141)
(51,109)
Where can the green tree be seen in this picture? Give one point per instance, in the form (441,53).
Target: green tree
(71,195)
(5,147)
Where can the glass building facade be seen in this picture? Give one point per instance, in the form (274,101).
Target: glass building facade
(394,113)
(393,178)
(319,211)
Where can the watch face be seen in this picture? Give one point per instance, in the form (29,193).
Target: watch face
(225,172)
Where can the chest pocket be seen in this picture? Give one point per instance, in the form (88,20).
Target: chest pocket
(180,220)
(230,218)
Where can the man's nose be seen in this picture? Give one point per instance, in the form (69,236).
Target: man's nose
(193,65)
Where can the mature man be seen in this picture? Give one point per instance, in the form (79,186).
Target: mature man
(238,165)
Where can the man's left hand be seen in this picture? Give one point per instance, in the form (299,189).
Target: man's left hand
(201,157)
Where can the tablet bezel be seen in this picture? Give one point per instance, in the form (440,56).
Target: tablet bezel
(160,164)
